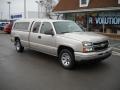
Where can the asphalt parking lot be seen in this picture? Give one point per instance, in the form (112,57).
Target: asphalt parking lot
(116,47)
(32,70)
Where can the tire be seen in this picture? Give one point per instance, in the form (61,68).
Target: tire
(19,47)
(66,58)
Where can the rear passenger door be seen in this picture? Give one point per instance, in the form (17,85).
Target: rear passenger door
(34,36)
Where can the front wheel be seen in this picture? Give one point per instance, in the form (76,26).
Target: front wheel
(66,58)
(19,47)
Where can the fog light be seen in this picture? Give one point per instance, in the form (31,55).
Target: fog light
(85,50)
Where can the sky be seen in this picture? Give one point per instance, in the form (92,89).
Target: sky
(17,6)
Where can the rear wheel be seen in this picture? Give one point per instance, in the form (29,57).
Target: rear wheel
(66,58)
(19,47)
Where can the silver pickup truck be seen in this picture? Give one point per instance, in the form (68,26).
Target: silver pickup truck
(61,38)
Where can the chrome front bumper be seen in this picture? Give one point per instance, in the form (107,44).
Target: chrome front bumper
(93,55)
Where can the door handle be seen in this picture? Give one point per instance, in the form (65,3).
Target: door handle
(39,37)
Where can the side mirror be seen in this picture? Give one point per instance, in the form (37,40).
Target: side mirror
(49,32)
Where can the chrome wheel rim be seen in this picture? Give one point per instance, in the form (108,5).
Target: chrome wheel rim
(65,58)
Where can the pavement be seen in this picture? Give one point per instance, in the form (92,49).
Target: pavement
(32,70)
(2,32)
(115,44)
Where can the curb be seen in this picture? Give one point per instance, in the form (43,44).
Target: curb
(114,39)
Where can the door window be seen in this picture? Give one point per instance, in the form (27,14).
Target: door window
(46,26)
(36,27)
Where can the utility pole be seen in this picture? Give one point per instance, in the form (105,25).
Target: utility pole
(38,8)
(40,3)
(24,8)
(9,8)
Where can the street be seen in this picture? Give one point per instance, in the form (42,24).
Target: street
(32,70)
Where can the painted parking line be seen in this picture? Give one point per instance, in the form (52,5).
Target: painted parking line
(116,48)
(117,44)
(115,53)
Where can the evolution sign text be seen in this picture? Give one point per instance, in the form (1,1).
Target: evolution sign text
(104,20)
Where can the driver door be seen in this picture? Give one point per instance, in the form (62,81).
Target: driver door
(47,40)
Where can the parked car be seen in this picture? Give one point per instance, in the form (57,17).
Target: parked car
(8,28)
(61,38)
(2,24)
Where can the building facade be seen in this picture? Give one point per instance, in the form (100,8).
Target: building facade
(94,15)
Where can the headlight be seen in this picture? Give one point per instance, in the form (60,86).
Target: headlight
(87,44)
(87,47)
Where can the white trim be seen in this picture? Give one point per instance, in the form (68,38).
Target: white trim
(83,5)
(89,10)
(116,48)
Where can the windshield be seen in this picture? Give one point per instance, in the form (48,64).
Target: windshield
(66,27)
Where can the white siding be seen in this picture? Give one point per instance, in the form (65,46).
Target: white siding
(118,1)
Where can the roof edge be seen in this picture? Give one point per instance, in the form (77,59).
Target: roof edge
(88,10)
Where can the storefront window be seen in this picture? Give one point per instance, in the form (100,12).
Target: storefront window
(69,16)
(107,22)
(81,20)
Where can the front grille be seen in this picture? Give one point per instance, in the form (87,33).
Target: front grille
(100,45)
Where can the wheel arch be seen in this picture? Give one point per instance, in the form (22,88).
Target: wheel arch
(16,38)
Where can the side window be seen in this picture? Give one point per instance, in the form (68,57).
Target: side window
(46,26)
(36,27)
(21,26)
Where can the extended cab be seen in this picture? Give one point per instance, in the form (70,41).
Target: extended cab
(61,38)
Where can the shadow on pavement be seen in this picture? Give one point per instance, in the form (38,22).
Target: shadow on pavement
(87,66)
(80,66)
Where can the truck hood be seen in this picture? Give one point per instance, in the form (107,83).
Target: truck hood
(84,36)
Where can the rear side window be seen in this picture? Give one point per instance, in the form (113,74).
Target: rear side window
(21,26)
